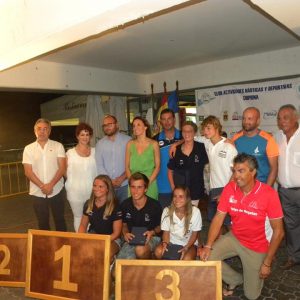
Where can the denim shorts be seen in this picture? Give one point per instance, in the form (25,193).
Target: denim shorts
(128,251)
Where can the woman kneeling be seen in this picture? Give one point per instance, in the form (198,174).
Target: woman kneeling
(102,213)
(181,224)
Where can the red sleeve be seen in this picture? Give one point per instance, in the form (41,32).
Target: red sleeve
(274,210)
(224,198)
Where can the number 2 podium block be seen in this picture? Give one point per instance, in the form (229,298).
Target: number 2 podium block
(168,280)
(13,247)
(64,265)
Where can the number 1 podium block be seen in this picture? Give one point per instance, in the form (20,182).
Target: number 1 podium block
(64,265)
(168,280)
(13,247)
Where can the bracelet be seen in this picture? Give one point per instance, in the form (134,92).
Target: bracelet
(207,246)
(268,266)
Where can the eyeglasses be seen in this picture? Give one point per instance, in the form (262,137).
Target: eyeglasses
(108,125)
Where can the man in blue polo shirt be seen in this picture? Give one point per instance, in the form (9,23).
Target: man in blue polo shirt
(167,137)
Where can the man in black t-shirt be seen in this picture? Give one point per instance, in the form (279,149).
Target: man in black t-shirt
(140,211)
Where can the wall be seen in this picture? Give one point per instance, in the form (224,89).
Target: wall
(47,76)
(42,75)
(18,113)
(280,63)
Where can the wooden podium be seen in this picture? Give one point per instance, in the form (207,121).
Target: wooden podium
(168,280)
(13,247)
(63,265)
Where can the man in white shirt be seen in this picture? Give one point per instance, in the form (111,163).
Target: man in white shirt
(288,140)
(44,165)
(220,154)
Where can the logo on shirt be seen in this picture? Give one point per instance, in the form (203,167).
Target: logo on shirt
(232,200)
(222,154)
(128,216)
(253,204)
(147,218)
(196,158)
(181,162)
(256,151)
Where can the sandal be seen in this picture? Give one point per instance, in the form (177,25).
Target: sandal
(228,290)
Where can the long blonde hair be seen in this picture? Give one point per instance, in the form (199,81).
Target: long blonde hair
(188,210)
(111,200)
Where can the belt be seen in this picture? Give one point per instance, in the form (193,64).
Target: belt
(291,188)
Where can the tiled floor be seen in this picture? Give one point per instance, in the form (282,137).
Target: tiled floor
(16,215)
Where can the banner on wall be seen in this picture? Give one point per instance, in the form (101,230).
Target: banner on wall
(65,107)
(228,102)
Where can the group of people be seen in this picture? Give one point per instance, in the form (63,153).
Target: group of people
(156,183)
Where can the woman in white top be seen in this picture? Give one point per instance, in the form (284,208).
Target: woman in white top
(81,171)
(181,224)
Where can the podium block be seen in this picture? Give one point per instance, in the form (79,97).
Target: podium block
(65,265)
(13,247)
(168,280)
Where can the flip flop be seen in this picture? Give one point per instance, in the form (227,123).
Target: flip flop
(228,290)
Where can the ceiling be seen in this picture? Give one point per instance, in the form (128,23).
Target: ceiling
(199,33)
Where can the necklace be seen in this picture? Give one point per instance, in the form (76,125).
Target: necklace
(83,151)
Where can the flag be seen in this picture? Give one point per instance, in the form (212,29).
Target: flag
(170,102)
(173,102)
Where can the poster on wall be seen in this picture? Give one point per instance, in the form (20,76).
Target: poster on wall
(228,102)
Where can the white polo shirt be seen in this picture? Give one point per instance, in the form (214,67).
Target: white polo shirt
(289,159)
(177,228)
(44,165)
(220,158)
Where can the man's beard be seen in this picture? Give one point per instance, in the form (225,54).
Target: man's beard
(111,133)
(252,128)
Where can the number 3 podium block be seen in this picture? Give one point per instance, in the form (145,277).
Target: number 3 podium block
(168,280)
(63,265)
(13,247)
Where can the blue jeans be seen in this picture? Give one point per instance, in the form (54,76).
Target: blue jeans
(122,193)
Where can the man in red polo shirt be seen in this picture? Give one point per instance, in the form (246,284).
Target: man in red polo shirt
(256,232)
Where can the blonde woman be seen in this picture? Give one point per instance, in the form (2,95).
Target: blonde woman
(181,223)
(143,155)
(102,213)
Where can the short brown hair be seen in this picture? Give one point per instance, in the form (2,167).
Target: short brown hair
(190,123)
(112,117)
(83,127)
(139,176)
(214,121)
